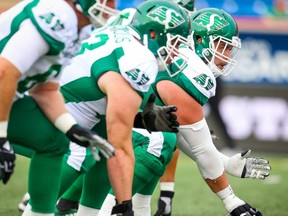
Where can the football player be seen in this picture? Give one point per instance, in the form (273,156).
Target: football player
(215,40)
(217,63)
(113,68)
(238,161)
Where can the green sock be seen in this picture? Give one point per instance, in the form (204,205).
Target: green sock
(74,192)
(44,182)
(69,176)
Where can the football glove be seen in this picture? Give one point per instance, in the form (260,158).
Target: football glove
(7,159)
(87,138)
(124,209)
(245,210)
(241,165)
(159,118)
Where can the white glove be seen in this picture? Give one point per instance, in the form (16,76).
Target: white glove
(243,166)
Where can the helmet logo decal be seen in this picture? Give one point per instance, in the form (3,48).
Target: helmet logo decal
(211,21)
(204,81)
(166,16)
(137,76)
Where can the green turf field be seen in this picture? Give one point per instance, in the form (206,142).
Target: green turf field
(192,197)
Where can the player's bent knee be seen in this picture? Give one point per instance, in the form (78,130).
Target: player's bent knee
(195,141)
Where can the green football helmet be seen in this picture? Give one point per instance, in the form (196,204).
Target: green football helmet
(211,28)
(95,10)
(188,5)
(160,23)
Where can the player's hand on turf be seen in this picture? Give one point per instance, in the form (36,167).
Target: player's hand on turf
(159,118)
(245,210)
(87,138)
(244,166)
(7,159)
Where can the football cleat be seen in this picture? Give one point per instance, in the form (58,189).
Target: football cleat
(22,205)
(66,208)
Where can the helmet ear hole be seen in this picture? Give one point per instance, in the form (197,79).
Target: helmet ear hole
(198,39)
(153,34)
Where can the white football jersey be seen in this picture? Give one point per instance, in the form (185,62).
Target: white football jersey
(200,76)
(196,79)
(110,49)
(55,24)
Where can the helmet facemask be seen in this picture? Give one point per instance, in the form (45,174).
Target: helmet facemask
(98,11)
(171,54)
(217,48)
(157,22)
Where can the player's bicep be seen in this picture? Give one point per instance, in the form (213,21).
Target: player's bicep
(188,111)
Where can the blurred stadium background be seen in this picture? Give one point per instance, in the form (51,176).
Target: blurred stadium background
(253,105)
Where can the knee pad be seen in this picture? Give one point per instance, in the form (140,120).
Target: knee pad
(195,141)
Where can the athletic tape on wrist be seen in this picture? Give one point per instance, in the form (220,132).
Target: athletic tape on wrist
(3,128)
(64,122)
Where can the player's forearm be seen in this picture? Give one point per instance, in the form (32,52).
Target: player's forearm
(51,103)
(8,86)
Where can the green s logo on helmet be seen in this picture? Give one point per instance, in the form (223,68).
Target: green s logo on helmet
(167,17)
(210,21)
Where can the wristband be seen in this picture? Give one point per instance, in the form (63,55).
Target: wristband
(3,128)
(64,122)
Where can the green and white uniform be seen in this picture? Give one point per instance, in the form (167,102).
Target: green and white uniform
(56,22)
(108,49)
(38,37)
(196,79)
(153,151)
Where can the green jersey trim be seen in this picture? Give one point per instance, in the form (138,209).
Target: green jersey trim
(55,46)
(183,82)
(31,81)
(107,63)
(15,25)
(84,88)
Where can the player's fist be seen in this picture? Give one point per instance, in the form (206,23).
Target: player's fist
(7,159)
(87,138)
(159,118)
